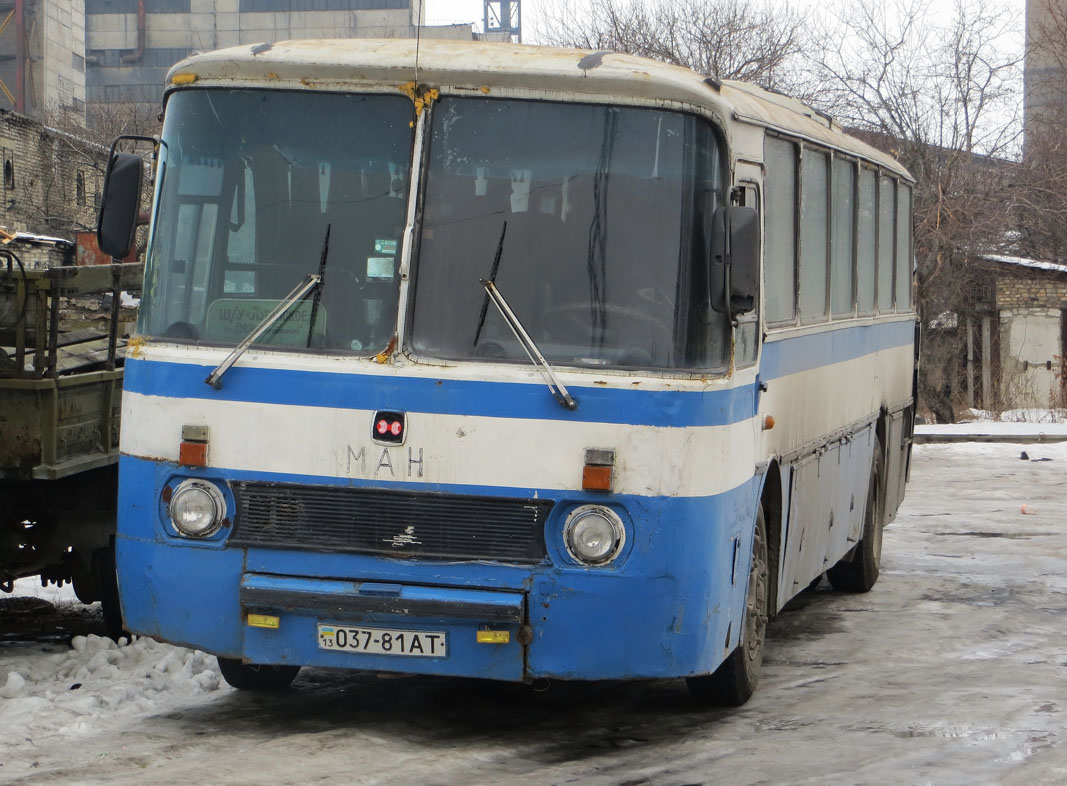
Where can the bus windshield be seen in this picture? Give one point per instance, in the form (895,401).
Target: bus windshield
(250,181)
(603,257)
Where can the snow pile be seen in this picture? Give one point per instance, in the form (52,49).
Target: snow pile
(97,676)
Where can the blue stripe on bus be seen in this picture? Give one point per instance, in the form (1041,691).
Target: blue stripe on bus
(486,398)
(793,355)
(442,396)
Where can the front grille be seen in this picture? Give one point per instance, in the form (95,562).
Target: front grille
(403,524)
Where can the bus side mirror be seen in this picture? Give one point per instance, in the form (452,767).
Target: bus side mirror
(120,204)
(735,248)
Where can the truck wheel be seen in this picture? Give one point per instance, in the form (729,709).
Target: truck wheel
(733,683)
(859,571)
(252,676)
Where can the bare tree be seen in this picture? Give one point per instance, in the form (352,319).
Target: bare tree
(759,42)
(940,94)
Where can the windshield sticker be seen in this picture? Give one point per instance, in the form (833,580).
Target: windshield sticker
(385,246)
(380,267)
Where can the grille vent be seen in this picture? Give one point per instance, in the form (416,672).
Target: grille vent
(403,524)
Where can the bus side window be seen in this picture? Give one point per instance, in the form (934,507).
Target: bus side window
(746,337)
(780,242)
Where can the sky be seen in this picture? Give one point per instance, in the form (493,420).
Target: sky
(463,11)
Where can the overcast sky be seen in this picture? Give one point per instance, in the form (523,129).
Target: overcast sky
(452,11)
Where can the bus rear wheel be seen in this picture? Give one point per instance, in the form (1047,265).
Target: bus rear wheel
(252,676)
(859,571)
(733,683)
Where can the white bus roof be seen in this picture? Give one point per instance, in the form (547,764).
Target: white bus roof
(333,64)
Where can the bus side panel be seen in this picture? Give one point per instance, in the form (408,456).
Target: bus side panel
(898,452)
(826,510)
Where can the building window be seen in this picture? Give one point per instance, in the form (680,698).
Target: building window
(79,188)
(9,173)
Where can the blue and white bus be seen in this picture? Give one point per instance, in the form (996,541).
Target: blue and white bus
(503,362)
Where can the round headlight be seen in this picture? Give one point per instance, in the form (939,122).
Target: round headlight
(197,508)
(594,534)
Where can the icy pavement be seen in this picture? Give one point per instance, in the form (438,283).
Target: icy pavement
(953,670)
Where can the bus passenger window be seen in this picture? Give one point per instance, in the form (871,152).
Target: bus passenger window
(866,241)
(841,239)
(886,216)
(814,190)
(904,260)
(780,195)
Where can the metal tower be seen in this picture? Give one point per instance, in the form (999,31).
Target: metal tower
(503,16)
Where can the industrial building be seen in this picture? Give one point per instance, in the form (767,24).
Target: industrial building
(58,56)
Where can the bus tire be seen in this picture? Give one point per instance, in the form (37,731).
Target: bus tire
(859,571)
(252,676)
(733,683)
(107,581)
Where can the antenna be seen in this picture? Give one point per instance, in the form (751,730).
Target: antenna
(503,17)
(418,40)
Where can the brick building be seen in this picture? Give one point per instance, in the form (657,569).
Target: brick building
(51,180)
(1031,312)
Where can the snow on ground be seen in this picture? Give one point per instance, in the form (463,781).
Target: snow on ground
(1016,422)
(54,690)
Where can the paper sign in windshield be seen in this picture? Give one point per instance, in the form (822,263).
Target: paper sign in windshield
(232,319)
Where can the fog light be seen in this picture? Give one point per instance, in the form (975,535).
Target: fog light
(594,535)
(197,508)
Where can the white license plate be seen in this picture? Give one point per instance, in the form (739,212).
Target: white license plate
(383,641)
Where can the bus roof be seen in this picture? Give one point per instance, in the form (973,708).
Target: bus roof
(474,65)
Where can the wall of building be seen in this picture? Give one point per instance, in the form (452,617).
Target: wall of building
(1031,341)
(53,67)
(50,181)
(122,70)
(1043,74)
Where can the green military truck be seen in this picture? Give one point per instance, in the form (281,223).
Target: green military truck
(60,392)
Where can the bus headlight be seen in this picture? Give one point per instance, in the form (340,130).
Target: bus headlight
(197,508)
(594,534)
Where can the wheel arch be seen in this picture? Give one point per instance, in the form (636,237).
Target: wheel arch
(772,500)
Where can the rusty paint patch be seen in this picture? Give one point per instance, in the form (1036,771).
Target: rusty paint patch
(484,89)
(408,89)
(385,354)
(134,346)
(426,100)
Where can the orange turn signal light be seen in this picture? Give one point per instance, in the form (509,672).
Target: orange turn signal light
(596,478)
(192,454)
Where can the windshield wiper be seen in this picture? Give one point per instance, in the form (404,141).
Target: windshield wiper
(310,282)
(555,387)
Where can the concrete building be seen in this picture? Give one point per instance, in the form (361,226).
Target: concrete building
(42,58)
(1045,67)
(130,44)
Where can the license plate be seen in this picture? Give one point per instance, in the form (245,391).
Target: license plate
(383,641)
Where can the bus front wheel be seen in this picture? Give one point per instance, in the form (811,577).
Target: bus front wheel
(859,571)
(733,683)
(252,676)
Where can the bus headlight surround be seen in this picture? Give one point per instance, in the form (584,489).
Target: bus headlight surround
(594,534)
(197,508)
